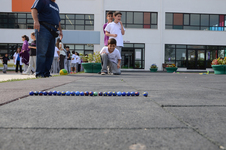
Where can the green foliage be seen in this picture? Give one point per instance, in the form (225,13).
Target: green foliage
(93,58)
(171,66)
(90,58)
(153,66)
(83,57)
(219,61)
(97,57)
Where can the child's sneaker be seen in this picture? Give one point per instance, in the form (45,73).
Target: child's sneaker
(74,72)
(71,72)
(25,73)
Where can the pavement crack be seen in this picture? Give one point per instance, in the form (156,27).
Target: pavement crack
(138,128)
(193,105)
(16,99)
(196,130)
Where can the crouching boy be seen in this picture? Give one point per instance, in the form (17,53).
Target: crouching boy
(110,57)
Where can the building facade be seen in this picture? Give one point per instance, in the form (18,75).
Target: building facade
(188,33)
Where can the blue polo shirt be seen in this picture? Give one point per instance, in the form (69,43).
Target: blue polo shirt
(48,11)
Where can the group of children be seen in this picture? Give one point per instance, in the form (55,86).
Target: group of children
(23,56)
(64,60)
(111,55)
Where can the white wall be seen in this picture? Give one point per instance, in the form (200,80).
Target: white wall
(14,35)
(151,38)
(86,7)
(195,6)
(133,5)
(197,37)
(6,6)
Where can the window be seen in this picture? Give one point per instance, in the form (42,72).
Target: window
(170,53)
(179,54)
(68,21)
(77,21)
(187,21)
(139,19)
(10,49)
(81,48)
(133,56)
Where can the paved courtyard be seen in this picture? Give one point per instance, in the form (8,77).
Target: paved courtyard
(182,111)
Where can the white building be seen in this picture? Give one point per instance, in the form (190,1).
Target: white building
(188,33)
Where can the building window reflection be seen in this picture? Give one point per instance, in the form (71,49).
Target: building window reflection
(190,21)
(68,21)
(136,19)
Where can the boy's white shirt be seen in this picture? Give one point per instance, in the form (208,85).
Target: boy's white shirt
(75,60)
(79,60)
(115,28)
(55,53)
(114,56)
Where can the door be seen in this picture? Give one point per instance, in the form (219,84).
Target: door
(138,58)
(127,58)
(132,58)
(196,59)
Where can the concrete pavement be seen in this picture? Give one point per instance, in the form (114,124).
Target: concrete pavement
(182,111)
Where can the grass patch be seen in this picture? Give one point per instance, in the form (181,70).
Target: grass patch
(12,80)
(9,65)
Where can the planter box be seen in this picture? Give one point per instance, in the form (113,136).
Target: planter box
(171,69)
(219,69)
(92,67)
(153,69)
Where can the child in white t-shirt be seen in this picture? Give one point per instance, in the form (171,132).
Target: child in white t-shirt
(110,57)
(74,62)
(78,67)
(116,30)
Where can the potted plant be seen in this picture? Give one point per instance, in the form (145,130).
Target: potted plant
(219,66)
(171,68)
(83,57)
(94,63)
(153,68)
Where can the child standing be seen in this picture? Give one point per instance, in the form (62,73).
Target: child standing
(55,65)
(17,60)
(32,58)
(5,60)
(74,62)
(79,62)
(68,61)
(63,53)
(110,19)
(116,30)
(24,53)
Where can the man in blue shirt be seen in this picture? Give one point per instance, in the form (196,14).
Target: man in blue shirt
(46,18)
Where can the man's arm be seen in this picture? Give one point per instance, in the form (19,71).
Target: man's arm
(108,34)
(119,62)
(61,33)
(32,47)
(34,13)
